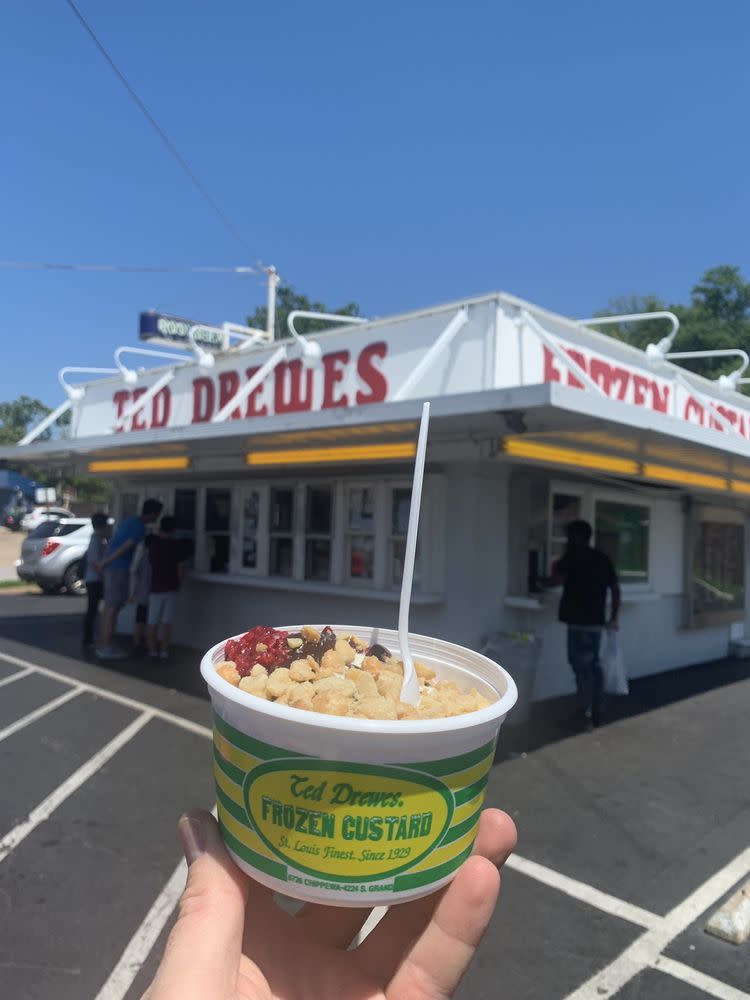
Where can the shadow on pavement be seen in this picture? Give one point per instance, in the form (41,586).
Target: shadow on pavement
(53,624)
(556,718)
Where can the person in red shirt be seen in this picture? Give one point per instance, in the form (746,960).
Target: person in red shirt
(168,558)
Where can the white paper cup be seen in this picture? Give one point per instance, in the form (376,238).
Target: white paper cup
(355,812)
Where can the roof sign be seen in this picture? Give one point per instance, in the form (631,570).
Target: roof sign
(170,330)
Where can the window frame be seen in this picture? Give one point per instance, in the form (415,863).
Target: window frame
(713,513)
(306,535)
(292,533)
(432,530)
(262,538)
(572,491)
(363,582)
(201,547)
(628,584)
(590,494)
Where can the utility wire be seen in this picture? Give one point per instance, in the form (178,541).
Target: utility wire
(24,265)
(185,166)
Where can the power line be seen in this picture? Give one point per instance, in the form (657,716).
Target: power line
(25,265)
(185,166)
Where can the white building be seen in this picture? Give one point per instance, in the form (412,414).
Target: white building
(297,495)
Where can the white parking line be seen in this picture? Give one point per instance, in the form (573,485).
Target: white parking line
(686,974)
(139,947)
(583,892)
(38,713)
(47,806)
(646,949)
(141,706)
(15,677)
(644,953)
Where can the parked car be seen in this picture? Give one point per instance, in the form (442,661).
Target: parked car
(52,555)
(40,514)
(12,518)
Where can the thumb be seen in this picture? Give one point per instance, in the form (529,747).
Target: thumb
(202,957)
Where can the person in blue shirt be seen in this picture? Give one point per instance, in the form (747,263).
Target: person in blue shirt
(116,568)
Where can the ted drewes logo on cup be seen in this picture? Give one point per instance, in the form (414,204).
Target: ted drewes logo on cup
(349,822)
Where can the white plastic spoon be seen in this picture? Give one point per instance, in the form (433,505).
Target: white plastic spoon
(410,686)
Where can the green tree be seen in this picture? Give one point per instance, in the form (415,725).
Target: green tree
(718,317)
(287,300)
(18,416)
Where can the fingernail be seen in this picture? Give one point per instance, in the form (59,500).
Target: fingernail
(193,837)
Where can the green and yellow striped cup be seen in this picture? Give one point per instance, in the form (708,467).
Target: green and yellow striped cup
(355,812)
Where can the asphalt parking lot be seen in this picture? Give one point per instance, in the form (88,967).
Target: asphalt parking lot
(628,837)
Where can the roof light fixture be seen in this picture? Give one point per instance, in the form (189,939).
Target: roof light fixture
(130,375)
(653,350)
(310,350)
(725,381)
(74,394)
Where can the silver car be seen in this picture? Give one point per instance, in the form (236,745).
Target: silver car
(36,516)
(52,555)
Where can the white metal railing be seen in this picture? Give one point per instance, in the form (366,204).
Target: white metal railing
(570,364)
(241,395)
(457,323)
(74,394)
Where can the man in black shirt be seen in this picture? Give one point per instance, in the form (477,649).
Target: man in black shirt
(586,575)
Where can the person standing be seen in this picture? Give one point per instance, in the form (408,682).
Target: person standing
(587,576)
(93,577)
(140,587)
(116,568)
(168,558)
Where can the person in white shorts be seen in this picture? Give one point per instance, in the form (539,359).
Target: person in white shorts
(168,558)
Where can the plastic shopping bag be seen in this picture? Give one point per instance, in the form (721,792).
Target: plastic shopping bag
(613,665)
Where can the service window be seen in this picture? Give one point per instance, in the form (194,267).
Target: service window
(217,524)
(718,566)
(185,517)
(250,526)
(400,502)
(326,532)
(318,531)
(621,530)
(360,533)
(565,507)
(281,531)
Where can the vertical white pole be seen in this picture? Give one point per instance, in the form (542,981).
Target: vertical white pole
(273,280)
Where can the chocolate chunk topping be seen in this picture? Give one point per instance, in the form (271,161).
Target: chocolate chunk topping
(314,648)
(380,651)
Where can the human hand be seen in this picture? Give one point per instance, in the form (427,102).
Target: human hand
(232,942)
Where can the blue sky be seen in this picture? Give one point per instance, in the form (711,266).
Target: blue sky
(398,154)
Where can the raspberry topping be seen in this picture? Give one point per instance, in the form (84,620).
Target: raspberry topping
(245,653)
